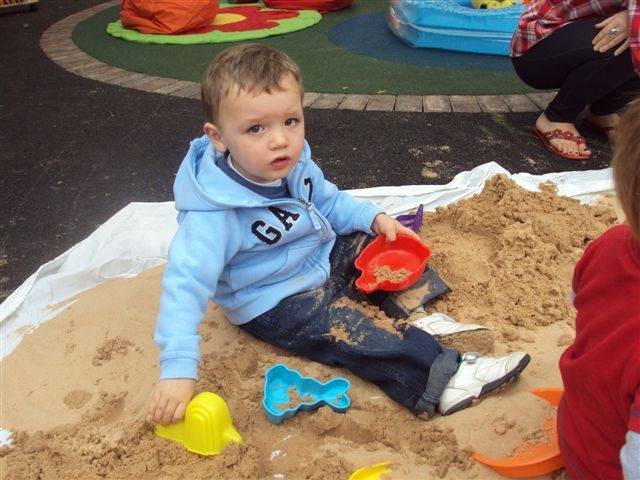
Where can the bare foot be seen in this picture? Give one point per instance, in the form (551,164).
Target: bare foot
(566,146)
(607,123)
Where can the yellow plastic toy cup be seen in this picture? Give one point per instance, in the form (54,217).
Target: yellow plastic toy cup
(206,428)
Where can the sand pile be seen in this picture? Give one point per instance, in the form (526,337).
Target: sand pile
(76,388)
(508,253)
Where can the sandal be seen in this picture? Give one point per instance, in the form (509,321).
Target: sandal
(563,135)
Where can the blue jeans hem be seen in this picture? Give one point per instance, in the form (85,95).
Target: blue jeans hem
(441,371)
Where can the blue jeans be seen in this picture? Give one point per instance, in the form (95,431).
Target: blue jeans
(410,367)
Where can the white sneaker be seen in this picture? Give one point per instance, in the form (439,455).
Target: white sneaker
(477,376)
(439,324)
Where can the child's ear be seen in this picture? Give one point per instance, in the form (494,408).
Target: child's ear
(215,136)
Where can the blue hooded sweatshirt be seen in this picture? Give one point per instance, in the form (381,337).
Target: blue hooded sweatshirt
(243,250)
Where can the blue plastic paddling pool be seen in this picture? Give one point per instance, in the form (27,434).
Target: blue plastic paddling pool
(454,25)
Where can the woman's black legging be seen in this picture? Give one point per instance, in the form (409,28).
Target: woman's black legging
(566,60)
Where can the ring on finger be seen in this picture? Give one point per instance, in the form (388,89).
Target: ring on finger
(614,31)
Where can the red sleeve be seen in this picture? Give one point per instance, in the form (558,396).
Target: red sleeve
(634,414)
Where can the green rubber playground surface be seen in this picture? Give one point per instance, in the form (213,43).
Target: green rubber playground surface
(329,64)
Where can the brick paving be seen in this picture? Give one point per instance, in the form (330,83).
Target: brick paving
(57,44)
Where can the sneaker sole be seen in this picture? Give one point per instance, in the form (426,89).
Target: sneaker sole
(492,386)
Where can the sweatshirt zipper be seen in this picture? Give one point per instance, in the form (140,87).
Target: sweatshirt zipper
(309,206)
(325,226)
(306,204)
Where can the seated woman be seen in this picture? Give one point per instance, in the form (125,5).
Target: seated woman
(582,48)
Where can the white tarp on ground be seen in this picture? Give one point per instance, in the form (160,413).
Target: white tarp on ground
(138,236)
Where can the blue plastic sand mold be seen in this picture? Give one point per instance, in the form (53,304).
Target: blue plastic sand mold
(286,392)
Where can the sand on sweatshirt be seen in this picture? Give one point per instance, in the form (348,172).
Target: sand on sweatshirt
(75,389)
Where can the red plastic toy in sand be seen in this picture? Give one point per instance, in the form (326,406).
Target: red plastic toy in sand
(406,257)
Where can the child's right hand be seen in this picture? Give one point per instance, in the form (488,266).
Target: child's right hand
(169,400)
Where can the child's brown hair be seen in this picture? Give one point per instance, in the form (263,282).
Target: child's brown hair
(251,67)
(626,166)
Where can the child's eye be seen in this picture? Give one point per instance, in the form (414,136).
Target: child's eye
(255,129)
(291,122)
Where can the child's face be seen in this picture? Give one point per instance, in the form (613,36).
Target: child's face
(263,132)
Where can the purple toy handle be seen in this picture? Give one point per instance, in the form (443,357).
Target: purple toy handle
(407,222)
(412,220)
(417,222)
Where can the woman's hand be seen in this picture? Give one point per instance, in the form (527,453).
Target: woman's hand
(383,224)
(169,400)
(613,31)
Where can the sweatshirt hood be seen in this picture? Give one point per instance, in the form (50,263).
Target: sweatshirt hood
(200,185)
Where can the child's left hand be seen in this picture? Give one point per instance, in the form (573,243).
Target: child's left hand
(383,224)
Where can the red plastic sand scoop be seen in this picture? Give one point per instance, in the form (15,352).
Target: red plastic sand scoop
(391,266)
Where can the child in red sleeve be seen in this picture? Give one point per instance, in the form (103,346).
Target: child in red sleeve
(599,415)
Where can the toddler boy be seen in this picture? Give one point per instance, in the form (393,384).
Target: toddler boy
(257,235)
